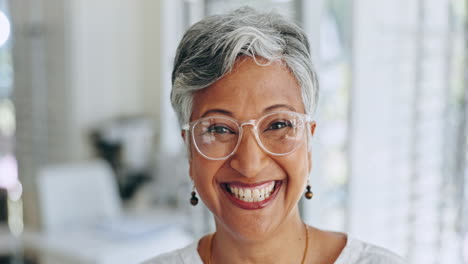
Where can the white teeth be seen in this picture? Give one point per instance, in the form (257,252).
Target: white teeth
(256,195)
(252,194)
(248,194)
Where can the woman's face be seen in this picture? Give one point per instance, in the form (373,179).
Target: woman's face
(249,92)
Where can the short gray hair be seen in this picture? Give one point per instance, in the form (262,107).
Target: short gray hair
(210,48)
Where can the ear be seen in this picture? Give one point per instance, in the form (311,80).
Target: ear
(190,171)
(183,135)
(312,127)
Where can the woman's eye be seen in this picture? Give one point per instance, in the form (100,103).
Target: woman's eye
(219,130)
(279,125)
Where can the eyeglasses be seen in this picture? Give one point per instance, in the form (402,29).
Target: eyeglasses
(278,133)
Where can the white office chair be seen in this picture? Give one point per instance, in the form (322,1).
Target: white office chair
(83,222)
(77,194)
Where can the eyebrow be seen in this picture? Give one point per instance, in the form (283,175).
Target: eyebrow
(229,113)
(217,110)
(274,107)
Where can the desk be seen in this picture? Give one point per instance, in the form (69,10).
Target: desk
(109,244)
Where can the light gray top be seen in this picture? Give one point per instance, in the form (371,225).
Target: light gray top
(355,252)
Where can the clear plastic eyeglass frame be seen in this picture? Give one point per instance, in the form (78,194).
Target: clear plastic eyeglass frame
(189,127)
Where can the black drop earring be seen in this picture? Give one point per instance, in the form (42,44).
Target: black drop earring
(194,199)
(308,194)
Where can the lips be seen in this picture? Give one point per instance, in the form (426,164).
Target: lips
(251,196)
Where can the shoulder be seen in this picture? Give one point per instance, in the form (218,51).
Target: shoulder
(359,252)
(186,255)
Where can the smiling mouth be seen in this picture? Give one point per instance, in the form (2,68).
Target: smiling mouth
(251,196)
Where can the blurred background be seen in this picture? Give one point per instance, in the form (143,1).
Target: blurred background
(92,166)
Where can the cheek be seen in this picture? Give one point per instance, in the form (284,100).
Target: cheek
(196,164)
(297,167)
(203,173)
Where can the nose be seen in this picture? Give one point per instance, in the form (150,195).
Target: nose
(249,158)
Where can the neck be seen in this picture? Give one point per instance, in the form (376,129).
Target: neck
(283,244)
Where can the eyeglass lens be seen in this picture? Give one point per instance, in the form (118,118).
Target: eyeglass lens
(279,133)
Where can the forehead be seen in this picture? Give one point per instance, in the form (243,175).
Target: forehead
(250,90)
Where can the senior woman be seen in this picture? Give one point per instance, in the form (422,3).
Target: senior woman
(244,89)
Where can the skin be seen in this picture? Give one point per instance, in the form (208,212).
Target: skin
(276,233)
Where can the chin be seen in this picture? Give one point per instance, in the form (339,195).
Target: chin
(254,225)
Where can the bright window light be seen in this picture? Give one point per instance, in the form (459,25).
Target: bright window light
(8,172)
(4,28)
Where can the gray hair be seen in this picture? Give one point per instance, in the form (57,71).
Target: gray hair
(210,48)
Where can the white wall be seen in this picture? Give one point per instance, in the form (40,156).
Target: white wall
(114,62)
(79,63)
